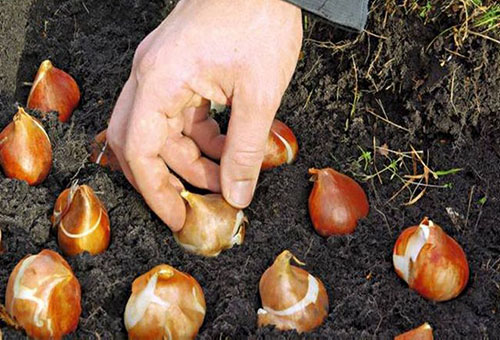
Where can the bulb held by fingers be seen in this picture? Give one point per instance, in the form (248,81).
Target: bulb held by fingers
(291,297)
(281,147)
(43,296)
(336,202)
(54,90)
(212,225)
(431,262)
(82,221)
(25,150)
(165,304)
(102,154)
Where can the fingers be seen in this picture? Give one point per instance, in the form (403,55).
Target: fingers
(147,133)
(248,130)
(183,156)
(204,130)
(115,135)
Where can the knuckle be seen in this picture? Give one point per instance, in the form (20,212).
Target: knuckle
(112,140)
(128,153)
(144,60)
(247,159)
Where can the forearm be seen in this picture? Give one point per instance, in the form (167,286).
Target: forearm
(348,13)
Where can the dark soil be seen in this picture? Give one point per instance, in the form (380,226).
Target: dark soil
(444,104)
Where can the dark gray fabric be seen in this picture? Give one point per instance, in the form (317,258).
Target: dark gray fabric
(348,13)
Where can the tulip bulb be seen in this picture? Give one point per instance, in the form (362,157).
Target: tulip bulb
(25,150)
(43,296)
(423,332)
(54,90)
(165,304)
(281,146)
(291,297)
(336,202)
(431,262)
(102,154)
(212,225)
(82,221)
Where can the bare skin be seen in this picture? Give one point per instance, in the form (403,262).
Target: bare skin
(236,52)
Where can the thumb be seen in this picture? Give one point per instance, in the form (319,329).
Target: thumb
(244,148)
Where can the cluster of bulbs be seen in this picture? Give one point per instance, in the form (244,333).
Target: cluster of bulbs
(43,295)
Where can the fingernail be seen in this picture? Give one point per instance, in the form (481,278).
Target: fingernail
(241,193)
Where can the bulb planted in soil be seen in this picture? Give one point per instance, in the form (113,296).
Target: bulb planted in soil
(423,332)
(82,221)
(291,297)
(43,296)
(25,149)
(336,202)
(212,225)
(281,147)
(54,90)
(165,304)
(431,262)
(102,154)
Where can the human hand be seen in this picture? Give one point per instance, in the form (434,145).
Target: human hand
(236,52)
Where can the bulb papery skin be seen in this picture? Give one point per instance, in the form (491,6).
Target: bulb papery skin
(212,225)
(82,221)
(102,154)
(292,299)
(424,332)
(281,147)
(54,90)
(336,202)
(43,296)
(431,262)
(25,149)
(165,304)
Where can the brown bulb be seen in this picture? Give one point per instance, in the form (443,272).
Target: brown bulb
(54,90)
(431,262)
(291,297)
(43,296)
(82,221)
(25,150)
(281,147)
(336,202)
(212,225)
(423,332)
(102,154)
(165,304)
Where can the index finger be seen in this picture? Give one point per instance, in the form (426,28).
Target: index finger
(147,133)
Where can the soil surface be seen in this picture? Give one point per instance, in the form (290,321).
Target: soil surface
(395,86)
